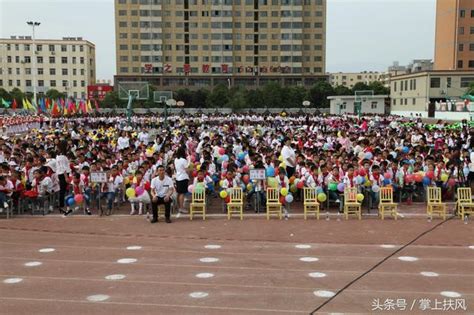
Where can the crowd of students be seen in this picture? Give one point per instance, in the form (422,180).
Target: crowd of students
(151,161)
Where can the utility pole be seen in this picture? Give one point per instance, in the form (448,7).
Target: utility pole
(33,25)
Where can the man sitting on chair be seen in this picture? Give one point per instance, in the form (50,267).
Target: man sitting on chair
(162,189)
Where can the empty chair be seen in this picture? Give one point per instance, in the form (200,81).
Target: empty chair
(236,203)
(198,204)
(386,204)
(464,203)
(435,205)
(351,205)
(273,203)
(310,202)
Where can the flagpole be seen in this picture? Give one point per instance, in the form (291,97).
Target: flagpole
(33,25)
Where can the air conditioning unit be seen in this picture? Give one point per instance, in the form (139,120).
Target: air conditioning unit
(53,53)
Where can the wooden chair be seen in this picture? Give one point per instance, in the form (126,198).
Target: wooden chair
(198,204)
(236,204)
(435,205)
(386,204)
(273,203)
(310,202)
(351,205)
(464,203)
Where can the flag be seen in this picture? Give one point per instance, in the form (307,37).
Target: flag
(5,103)
(89,106)
(48,106)
(42,105)
(96,105)
(15,105)
(55,110)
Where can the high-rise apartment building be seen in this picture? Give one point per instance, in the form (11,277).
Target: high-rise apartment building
(200,43)
(454,35)
(67,65)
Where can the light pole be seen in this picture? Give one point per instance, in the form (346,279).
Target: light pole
(33,25)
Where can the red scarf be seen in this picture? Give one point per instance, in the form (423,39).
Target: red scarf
(351,180)
(283,184)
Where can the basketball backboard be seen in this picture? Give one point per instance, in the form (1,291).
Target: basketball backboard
(162,96)
(137,89)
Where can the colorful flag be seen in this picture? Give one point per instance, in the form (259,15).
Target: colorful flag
(89,106)
(5,103)
(15,105)
(25,104)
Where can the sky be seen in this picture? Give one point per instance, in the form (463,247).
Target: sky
(362,35)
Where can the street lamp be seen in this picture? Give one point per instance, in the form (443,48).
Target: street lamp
(33,25)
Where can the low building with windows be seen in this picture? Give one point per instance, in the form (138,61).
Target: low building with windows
(434,94)
(67,65)
(349,79)
(348,104)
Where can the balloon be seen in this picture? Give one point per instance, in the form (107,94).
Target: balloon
(362,172)
(221,183)
(322,197)
(360,180)
(270,171)
(418,178)
(293,188)
(368,183)
(272,182)
(190,188)
(387,182)
(300,185)
(78,198)
(406,150)
(249,187)
(241,156)
(246,179)
(452,182)
(225,158)
(409,178)
(139,191)
(195,173)
(227,199)
(430,174)
(368,156)
(280,158)
(388,175)
(341,187)
(444,177)
(360,197)
(332,186)
(225,164)
(426,181)
(284,192)
(375,188)
(130,192)
(221,151)
(198,167)
(282,200)
(70,201)
(245,169)
(289,198)
(319,190)
(282,165)
(126,181)
(223,194)
(292,179)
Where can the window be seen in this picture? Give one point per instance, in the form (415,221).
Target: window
(466,81)
(461,30)
(39,59)
(51,48)
(82,60)
(64,60)
(40,71)
(394,102)
(373,105)
(122,12)
(28,82)
(39,47)
(472,13)
(461,47)
(435,83)
(27,70)
(413,101)
(471,47)
(52,83)
(52,71)
(460,64)
(40,83)
(471,64)
(472,30)
(63,48)
(394,87)
(52,59)
(462,13)
(64,83)
(27,59)
(64,71)
(448,82)
(27,47)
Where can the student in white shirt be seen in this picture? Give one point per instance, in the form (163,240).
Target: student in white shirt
(63,170)
(289,157)
(181,165)
(161,191)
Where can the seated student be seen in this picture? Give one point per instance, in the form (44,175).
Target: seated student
(350,180)
(18,187)
(143,199)
(6,191)
(376,179)
(334,178)
(283,182)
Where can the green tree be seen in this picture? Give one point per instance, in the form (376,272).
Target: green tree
(5,95)
(17,94)
(319,93)
(254,98)
(199,97)
(219,97)
(342,90)
(112,100)
(470,89)
(54,94)
(272,95)
(237,98)
(186,96)
(360,86)
(379,88)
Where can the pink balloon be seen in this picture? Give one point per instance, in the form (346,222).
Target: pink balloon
(78,198)
(245,169)
(387,175)
(221,151)
(191,188)
(139,191)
